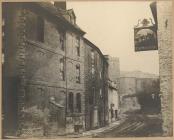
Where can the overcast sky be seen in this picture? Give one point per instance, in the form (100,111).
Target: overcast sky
(109,25)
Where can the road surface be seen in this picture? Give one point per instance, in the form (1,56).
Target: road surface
(136,125)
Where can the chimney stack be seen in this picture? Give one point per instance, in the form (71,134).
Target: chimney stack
(60,4)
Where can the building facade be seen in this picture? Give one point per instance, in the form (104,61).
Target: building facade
(43,70)
(95,87)
(113,87)
(113,101)
(165,38)
(113,69)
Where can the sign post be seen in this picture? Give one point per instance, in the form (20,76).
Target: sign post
(145,35)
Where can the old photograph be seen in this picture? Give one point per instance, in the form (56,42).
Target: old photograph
(86,69)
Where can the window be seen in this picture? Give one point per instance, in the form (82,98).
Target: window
(77,44)
(101,93)
(77,73)
(3,28)
(100,75)
(78,102)
(62,69)
(93,62)
(93,70)
(92,56)
(71,102)
(40,29)
(94,95)
(62,41)
(72,19)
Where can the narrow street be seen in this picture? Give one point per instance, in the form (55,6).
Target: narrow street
(136,125)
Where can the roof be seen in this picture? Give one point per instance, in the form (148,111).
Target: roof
(94,46)
(58,13)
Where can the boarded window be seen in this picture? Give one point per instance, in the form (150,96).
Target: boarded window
(71,102)
(78,102)
(62,40)
(62,69)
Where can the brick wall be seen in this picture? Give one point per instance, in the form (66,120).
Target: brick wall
(164,16)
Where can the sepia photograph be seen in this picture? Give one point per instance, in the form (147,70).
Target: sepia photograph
(86,69)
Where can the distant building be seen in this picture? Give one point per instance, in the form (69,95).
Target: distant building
(139,94)
(96,90)
(128,99)
(43,70)
(113,69)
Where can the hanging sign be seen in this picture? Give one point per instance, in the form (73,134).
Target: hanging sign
(145,35)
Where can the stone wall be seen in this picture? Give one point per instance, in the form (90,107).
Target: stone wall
(128,99)
(33,69)
(136,94)
(14,67)
(164,17)
(113,68)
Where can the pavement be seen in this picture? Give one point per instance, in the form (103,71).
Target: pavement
(96,132)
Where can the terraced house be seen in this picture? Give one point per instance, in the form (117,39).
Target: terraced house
(43,70)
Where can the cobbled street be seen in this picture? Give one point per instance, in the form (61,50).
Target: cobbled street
(136,125)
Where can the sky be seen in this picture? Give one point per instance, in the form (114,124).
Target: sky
(110,26)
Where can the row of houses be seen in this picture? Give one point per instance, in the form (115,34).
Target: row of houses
(55,81)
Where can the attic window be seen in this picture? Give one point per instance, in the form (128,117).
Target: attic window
(72,19)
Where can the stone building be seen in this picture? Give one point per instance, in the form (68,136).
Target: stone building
(113,87)
(113,101)
(43,70)
(164,30)
(113,69)
(95,86)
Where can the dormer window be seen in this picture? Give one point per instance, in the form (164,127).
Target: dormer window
(72,20)
(72,16)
